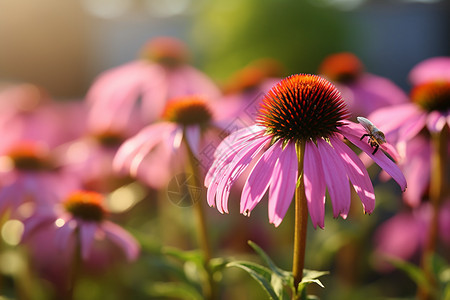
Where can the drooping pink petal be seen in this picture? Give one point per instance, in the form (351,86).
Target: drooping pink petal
(147,138)
(123,239)
(416,168)
(390,119)
(258,181)
(315,187)
(87,232)
(283,183)
(436,121)
(357,174)
(412,127)
(235,169)
(379,157)
(64,233)
(336,179)
(229,147)
(192,135)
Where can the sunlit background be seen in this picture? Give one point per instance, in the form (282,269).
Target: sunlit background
(63,45)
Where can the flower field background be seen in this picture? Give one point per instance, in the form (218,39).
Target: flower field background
(192,149)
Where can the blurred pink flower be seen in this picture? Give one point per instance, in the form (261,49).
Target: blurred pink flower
(432,69)
(81,222)
(246,88)
(300,109)
(363,92)
(27,174)
(27,112)
(408,125)
(158,152)
(137,91)
(404,235)
(89,160)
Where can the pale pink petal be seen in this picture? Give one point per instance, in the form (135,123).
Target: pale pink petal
(431,69)
(193,134)
(335,178)
(357,174)
(436,121)
(229,146)
(416,168)
(235,169)
(149,136)
(315,187)
(64,233)
(131,153)
(87,232)
(239,136)
(283,183)
(391,119)
(123,239)
(224,154)
(412,127)
(187,80)
(258,181)
(379,157)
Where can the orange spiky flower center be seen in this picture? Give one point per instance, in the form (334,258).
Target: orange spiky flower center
(189,110)
(86,205)
(342,67)
(29,156)
(433,95)
(302,107)
(167,51)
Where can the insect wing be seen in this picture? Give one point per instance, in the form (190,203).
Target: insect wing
(368,126)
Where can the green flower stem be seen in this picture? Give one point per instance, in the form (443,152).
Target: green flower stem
(75,271)
(301,223)
(202,231)
(438,179)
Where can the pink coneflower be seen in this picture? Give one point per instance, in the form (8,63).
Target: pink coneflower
(404,235)
(246,88)
(27,175)
(82,223)
(159,151)
(89,160)
(363,92)
(301,119)
(409,125)
(143,86)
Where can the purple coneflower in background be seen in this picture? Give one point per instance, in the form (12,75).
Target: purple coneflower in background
(363,92)
(303,116)
(404,235)
(159,151)
(409,125)
(82,222)
(27,174)
(143,86)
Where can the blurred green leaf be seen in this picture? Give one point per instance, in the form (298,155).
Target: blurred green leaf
(192,255)
(414,272)
(261,274)
(173,290)
(279,272)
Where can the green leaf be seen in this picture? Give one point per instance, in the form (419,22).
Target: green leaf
(192,256)
(414,272)
(173,290)
(261,274)
(279,272)
(310,276)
